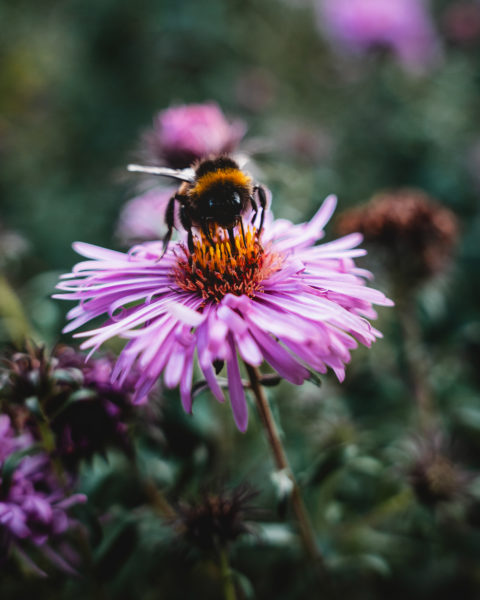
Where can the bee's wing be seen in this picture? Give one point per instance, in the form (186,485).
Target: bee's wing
(181,174)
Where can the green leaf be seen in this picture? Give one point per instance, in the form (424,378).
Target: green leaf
(277,534)
(68,376)
(244,583)
(328,462)
(116,548)
(33,405)
(82,395)
(314,378)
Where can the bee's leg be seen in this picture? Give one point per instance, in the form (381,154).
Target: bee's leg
(187,224)
(255,209)
(207,232)
(231,236)
(191,247)
(170,221)
(218,365)
(243,231)
(262,197)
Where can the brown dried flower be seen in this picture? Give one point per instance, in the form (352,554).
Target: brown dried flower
(217,519)
(415,234)
(434,476)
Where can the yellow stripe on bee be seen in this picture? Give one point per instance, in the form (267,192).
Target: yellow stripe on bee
(234,176)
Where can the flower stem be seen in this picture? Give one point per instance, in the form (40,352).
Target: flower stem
(281,461)
(158,500)
(417,365)
(226,573)
(156,497)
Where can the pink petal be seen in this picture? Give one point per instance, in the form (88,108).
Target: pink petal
(237,393)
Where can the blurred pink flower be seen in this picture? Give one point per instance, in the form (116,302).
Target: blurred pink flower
(281,299)
(183,134)
(143,217)
(180,136)
(403,26)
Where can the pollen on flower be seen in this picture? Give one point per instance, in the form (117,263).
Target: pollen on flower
(215,270)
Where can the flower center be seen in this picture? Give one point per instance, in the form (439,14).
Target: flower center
(215,269)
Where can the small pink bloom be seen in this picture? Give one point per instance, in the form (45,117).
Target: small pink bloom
(183,134)
(143,217)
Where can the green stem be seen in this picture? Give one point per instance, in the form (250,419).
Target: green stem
(226,573)
(155,496)
(281,461)
(391,507)
(158,500)
(417,365)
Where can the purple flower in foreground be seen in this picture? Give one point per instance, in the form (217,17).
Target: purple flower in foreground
(184,134)
(33,505)
(100,419)
(85,411)
(403,26)
(297,306)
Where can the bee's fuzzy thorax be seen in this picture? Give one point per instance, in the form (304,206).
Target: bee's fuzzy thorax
(230,175)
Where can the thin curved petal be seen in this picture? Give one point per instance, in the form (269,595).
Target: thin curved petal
(237,393)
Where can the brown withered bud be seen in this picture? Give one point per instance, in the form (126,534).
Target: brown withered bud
(414,234)
(217,519)
(461,23)
(27,374)
(434,476)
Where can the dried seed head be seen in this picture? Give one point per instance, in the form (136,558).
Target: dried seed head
(433,475)
(416,235)
(217,519)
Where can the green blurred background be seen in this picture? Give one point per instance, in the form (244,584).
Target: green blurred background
(79,83)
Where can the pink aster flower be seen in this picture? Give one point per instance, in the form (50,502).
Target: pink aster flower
(403,26)
(281,299)
(183,134)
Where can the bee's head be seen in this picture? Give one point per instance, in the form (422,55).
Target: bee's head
(224,203)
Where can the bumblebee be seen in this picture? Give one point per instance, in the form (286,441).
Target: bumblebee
(214,192)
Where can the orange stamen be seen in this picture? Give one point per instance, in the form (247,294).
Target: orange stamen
(214,271)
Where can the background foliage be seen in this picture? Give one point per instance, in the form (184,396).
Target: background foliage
(79,82)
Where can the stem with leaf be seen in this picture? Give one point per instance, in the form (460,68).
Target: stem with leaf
(281,461)
(226,573)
